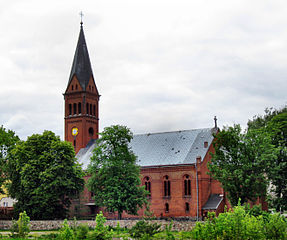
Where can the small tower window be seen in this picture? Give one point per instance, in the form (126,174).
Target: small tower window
(166,187)
(79,108)
(91,109)
(91,131)
(75,108)
(72,87)
(87,108)
(187,185)
(147,184)
(187,207)
(94,110)
(76,86)
(166,207)
(90,87)
(70,109)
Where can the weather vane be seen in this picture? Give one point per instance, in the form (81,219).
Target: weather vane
(81,14)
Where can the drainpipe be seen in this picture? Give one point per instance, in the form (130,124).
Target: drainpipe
(198,160)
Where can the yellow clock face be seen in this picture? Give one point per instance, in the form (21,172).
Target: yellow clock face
(75,131)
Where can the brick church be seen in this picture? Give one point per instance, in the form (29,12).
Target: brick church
(173,164)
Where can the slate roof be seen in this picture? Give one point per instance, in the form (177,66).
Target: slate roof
(213,202)
(81,64)
(161,149)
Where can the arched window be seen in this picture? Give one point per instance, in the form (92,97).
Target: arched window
(147,184)
(75,108)
(166,207)
(76,86)
(87,108)
(79,108)
(187,207)
(72,87)
(94,110)
(91,109)
(187,185)
(166,187)
(70,109)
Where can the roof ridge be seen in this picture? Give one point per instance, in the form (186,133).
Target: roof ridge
(177,131)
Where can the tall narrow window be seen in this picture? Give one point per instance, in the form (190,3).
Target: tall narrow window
(87,112)
(70,109)
(166,207)
(187,207)
(91,109)
(166,187)
(94,110)
(187,185)
(79,108)
(76,86)
(147,184)
(75,108)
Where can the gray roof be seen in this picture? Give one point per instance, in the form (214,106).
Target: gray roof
(81,64)
(171,148)
(161,149)
(213,202)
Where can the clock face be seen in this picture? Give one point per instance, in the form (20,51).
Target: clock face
(75,131)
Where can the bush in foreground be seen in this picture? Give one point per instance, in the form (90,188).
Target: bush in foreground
(241,224)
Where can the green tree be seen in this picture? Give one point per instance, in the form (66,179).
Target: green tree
(115,177)
(44,176)
(8,140)
(239,162)
(277,171)
(274,122)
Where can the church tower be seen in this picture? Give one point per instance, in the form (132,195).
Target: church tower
(81,99)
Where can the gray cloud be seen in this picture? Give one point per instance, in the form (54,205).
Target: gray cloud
(159,66)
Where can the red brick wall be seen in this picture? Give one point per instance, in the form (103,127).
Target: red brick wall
(177,200)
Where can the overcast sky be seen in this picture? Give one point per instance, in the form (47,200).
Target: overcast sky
(159,65)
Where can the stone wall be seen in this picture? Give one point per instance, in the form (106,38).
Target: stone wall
(50,225)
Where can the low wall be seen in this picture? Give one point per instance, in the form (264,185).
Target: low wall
(55,224)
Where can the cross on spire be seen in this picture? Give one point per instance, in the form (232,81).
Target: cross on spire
(81,15)
(215,122)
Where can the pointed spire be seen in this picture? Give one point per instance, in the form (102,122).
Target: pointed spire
(81,64)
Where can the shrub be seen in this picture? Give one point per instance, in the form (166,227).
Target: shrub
(21,228)
(66,233)
(81,231)
(236,224)
(169,235)
(276,227)
(144,230)
(101,232)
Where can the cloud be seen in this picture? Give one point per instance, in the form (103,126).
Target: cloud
(159,65)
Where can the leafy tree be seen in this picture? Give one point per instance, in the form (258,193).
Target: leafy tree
(8,140)
(114,174)
(44,176)
(274,122)
(277,171)
(239,162)
(260,121)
